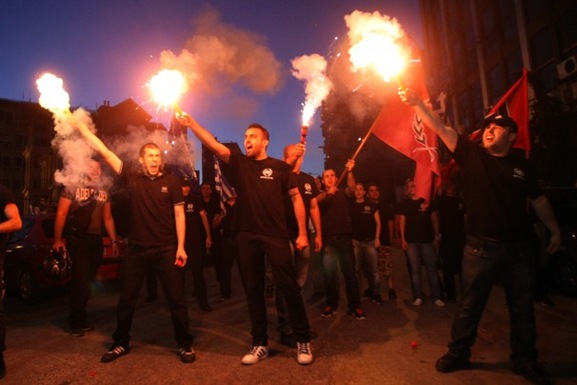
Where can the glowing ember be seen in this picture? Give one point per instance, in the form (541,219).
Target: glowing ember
(167,87)
(311,68)
(52,94)
(375,41)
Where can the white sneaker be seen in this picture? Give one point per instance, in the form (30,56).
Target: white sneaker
(304,353)
(439,303)
(418,302)
(255,355)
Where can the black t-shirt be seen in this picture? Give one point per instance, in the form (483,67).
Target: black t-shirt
(6,197)
(418,223)
(193,206)
(335,215)
(262,187)
(308,189)
(496,191)
(386,214)
(85,214)
(152,202)
(451,216)
(363,220)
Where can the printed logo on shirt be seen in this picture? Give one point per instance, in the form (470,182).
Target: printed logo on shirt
(518,173)
(308,189)
(189,207)
(267,174)
(85,193)
(366,209)
(164,189)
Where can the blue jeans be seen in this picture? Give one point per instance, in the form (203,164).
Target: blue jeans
(338,251)
(423,253)
(484,261)
(366,260)
(135,265)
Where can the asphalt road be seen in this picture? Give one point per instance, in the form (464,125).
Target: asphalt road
(397,343)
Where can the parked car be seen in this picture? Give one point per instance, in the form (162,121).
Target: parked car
(27,250)
(563,264)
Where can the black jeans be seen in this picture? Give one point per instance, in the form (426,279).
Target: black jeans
(252,249)
(86,253)
(195,264)
(338,251)
(484,261)
(227,257)
(135,266)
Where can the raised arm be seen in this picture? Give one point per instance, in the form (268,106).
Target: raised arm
(97,145)
(205,137)
(351,181)
(447,134)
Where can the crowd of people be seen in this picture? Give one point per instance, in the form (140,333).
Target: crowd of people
(172,231)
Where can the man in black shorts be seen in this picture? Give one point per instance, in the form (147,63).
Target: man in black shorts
(262,184)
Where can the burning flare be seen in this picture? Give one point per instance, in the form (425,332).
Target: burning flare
(167,87)
(311,69)
(375,43)
(52,94)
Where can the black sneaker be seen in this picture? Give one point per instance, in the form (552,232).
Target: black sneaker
(545,301)
(114,353)
(533,372)
(392,294)
(358,313)
(205,307)
(450,363)
(378,299)
(187,354)
(328,312)
(80,330)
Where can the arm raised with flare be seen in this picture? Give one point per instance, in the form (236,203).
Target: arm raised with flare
(109,157)
(204,136)
(447,134)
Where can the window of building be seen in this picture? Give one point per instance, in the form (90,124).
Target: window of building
(496,83)
(535,7)
(541,45)
(548,76)
(568,26)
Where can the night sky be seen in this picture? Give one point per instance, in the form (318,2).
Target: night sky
(109,50)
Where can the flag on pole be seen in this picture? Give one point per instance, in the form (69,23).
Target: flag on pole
(223,188)
(515,104)
(400,127)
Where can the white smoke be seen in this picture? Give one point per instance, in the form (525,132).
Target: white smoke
(311,69)
(219,56)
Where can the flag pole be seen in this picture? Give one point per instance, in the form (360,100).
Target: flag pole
(356,153)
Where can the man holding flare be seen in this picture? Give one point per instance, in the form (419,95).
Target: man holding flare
(263,183)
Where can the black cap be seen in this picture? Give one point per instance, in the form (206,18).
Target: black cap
(500,120)
(185,181)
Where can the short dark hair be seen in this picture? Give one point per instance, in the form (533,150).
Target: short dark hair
(260,127)
(150,145)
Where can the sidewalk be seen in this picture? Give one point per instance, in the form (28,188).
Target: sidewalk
(397,343)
